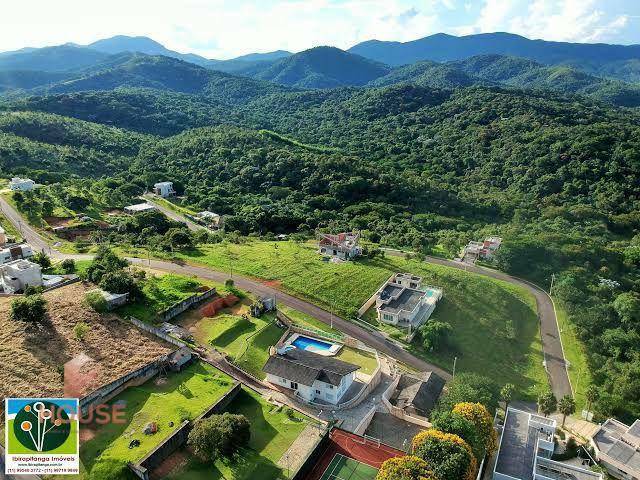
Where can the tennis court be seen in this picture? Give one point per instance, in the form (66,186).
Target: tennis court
(345,468)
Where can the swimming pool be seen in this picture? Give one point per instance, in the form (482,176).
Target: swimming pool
(311,344)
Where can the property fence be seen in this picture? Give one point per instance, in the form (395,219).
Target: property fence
(293,326)
(110,390)
(157,332)
(179,437)
(185,304)
(364,423)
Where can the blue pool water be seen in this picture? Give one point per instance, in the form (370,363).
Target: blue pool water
(303,343)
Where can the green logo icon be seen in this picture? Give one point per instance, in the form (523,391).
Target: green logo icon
(42,426)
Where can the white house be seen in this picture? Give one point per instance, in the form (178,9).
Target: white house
(17,275)
(3,237)
(21,184)
(312,377)
(525,450)
(403,301)
(164,189)
(15,252)
(210,218)
(139,208)
(343,246)
(617,448)
(484,250)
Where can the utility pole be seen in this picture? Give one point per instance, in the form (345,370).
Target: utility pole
(553,276)
(455,360)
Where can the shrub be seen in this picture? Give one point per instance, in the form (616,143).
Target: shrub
(435,335)
(42,259)
(471,387)
(95,300)
(229,283)
(119,282)
(448,455)
(455,423)
(68,266)
(30,308)
(405,468)
(80,330)
(219,435)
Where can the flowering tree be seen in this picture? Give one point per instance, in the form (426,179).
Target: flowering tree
(448,455)
(405,468)
(481,418)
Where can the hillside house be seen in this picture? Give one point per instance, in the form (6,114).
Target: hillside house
(525,450)
(484,250)
(17,275)
(210,219)
(139,208)
(15,252)
(617,448)
(312,377)
(418,394)
(343,246)
(18,184)
(164,189)
(403,301)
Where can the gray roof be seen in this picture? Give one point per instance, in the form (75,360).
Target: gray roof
(422,394)
(518,446)
(407,300)
(305,367)
(390,290)
(610,440)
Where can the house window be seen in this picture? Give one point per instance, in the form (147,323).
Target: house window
(294,385)
(330,387)
(388,317)
(318,392)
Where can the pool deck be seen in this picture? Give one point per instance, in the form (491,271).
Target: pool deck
(330,352)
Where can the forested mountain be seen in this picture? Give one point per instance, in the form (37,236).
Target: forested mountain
(442,48)
(28,79)
(515,72)
(322,67)
(52,59)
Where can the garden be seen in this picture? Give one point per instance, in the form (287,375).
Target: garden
(273,431)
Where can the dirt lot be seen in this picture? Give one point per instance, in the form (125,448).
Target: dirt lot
(32,359)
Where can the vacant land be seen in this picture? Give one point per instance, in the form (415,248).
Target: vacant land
(160,292)
(9,229)
(495,325)
(272,433)
(167,401)
(33,357)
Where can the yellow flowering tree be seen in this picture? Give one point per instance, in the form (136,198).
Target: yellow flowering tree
(448,455)
(478,414)
(405,468)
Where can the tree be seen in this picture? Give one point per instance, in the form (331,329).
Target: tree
(30,308)
(478,414)
(506,394)
(470,387)
(42,259)
(547,403)
(405,468)
(435,335)
(592,393)
(627,306)
(119,282)
(449,422)
(567,406)
(448,455)
(219,435)
(68,266)
(177,238)
(104,261)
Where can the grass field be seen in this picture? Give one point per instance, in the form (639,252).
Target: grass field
(579,372)
(9,229)
(272,433)
(160,292)
(496,330)
(184,395)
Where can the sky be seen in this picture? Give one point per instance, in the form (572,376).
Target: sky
(227,28)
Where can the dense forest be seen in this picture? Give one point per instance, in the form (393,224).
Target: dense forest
(421,164)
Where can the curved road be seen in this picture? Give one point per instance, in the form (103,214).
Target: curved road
(551,343)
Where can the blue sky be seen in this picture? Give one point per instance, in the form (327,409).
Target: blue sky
(227,28)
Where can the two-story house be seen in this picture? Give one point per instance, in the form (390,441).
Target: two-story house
(403,301)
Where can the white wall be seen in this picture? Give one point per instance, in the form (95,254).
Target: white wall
(319,391)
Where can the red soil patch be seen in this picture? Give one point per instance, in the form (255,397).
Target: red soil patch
(174,463)
(272,283)
(58,221)
(213,307)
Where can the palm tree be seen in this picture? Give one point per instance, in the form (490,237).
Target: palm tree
(547,403)
(592,394)
(506,394)
(567,406)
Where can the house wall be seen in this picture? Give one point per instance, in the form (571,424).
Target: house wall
(319,390)
(616,469)
(21,186)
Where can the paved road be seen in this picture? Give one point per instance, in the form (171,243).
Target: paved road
(551,343)
(191,225)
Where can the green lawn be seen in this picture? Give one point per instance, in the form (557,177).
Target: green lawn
(272,433)
(579,372)
(367,361)
(9,229)
(185,395)
(173,205)
(159,293)
(496,330)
